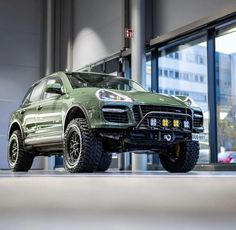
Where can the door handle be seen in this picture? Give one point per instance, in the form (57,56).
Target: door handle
(40,107)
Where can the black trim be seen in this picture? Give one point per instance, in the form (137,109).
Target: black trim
(200,25)
(154,71)
(212,96)
(193,39)
(126,62)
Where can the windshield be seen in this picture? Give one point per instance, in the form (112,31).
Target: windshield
(82,80)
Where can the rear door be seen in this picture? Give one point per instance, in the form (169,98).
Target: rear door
(28,111)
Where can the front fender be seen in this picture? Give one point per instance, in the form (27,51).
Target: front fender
(80,108)
(14,125)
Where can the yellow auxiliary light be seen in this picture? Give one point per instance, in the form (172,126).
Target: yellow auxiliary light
(165,122)
(176,123)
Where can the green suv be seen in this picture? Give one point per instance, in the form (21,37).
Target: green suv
(88,116)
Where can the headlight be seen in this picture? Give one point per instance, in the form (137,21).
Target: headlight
(106,95)
(190,102)
(187,100)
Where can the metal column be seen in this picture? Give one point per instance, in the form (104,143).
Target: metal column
(49,162)
(138,58)
(138,62)
(49,41)
(212,96)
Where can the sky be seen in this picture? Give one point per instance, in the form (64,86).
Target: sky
(225,43)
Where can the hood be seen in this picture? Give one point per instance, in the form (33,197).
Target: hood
(138,97)
(152,98)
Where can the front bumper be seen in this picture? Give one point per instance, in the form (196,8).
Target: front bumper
(136,139)
(129,126)
(125,115)
(129,115)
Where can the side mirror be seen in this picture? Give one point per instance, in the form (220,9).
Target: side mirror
(55,88)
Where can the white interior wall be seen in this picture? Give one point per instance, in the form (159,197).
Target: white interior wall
(20,29)
(97,30)
(169,15)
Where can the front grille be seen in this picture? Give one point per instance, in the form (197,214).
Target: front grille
(198,119)
(141,110)
(115,114)
(137,113)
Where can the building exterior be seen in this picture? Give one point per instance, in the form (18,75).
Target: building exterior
(182,70)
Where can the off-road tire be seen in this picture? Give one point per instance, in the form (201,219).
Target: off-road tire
(185,162)
(104,162)
(90,150)
(23,160)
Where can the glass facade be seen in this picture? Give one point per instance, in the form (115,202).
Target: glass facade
(185,67)
(225,56)
(182,70)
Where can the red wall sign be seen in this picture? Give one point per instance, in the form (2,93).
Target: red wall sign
(129,33)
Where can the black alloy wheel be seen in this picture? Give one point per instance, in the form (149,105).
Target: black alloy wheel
(82,147)
(74,147)
(19,159)
(13,151)
(181,158)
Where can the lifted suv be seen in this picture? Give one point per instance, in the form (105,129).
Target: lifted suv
(87,116)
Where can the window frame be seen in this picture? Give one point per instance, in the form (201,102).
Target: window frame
(210,27)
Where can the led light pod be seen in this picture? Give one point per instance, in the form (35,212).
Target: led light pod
(153,122)
(186,124)
(176,123)
(165,122)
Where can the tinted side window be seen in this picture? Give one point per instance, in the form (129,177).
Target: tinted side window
(76,83)
(52,80)
(37,92)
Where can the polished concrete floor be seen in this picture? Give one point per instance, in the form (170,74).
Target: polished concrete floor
(114,200)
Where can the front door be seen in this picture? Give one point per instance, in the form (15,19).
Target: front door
(49,118)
